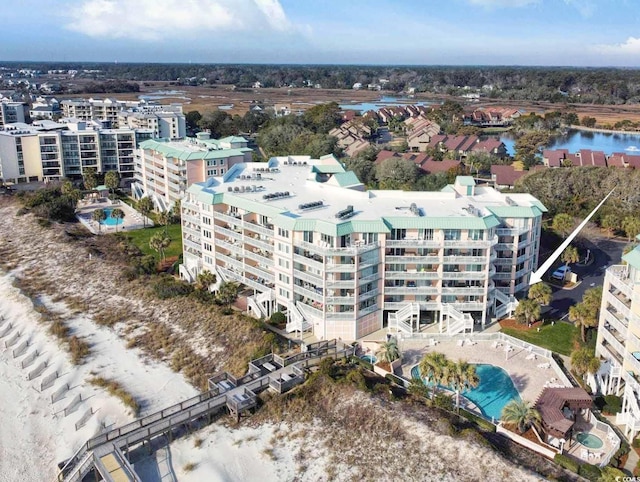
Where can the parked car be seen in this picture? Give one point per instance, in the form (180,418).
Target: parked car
(561,273)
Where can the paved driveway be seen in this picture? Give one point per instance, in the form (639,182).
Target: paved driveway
(605,252)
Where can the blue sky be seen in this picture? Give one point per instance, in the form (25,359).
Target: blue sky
(423,32)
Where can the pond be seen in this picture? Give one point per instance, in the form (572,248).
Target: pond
(595,141)
(385,102)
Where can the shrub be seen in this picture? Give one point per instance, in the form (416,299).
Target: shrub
(278,318)
(613,404)
(79,349)
(168,287)
(116,390)
(567,462)
(444,401)
(636,444)
(326,366)
(357,378)
(591,472)
(479,421)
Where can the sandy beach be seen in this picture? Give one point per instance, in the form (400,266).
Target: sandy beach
(350,435)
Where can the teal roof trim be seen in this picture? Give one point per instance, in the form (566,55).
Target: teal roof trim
(633,257)
(328,169)
(515,211)
(465,181)
(167,150)
(346,179)
(442,222)
(539,205)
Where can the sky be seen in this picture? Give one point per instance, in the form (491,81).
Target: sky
(420,32)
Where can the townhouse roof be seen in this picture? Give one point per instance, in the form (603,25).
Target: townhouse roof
(432,166)
(506,175)
(633,257)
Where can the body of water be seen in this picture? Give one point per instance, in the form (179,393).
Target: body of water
(164,94)
(385,102)
(595,141)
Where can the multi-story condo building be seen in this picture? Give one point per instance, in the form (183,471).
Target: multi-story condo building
(345,262)
(165,169)
(165,121)
(619,340)
(11,112)
(52,151)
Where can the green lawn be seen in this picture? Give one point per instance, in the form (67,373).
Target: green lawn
(141,239)
(558,338)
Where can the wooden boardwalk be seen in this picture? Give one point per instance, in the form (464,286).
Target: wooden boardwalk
(236,395)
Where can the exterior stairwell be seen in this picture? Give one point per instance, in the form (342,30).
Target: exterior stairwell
(296,322)
(508,305)
(404,319)
(457,322)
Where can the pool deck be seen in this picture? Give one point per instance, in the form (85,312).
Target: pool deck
(132,218)
(527,377)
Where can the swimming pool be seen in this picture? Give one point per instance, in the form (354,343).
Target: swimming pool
(109,221)
(493,392)
(589,440)
(369,358)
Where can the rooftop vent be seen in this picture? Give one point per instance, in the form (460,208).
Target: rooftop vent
(510,201)
(313,205)
(276,195)
(345,213)
(415,210)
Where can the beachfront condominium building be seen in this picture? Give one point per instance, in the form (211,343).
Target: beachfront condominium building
(618,340)
(11,112)
(344,262)
(165,169)
(50,151)
(165,121)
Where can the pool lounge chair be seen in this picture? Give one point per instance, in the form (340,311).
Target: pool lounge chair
(531,356)
(460,342)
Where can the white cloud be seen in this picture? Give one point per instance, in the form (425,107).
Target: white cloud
(503,3)
(630,47)
(175,19)
(585,7)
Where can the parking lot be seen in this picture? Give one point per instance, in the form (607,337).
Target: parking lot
(605,252)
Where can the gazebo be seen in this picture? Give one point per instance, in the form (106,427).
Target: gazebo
(558,409)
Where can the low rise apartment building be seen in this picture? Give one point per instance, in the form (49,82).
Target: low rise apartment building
(165,121)
(49,151)
(618,340)
(165,169)
(344,262)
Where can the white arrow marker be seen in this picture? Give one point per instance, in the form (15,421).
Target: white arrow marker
(536,276)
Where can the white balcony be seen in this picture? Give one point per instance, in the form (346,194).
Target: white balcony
(412,275)
(408,259)
(415,290)
(410,243)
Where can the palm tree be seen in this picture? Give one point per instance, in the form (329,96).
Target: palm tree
(98,216)
(228,292)
(541,293)
(527,311)
(164,218)
(117,214)
(522,415)
(631,226)
(145,206)
(205,279)
(583,317)
(584,360)
(89,178)
(159,242)
(570,255)
(610,222)
(463,377)
(112,180)
(389,351)
(432,368)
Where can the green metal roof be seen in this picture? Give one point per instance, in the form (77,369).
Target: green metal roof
(539,205)
(515,211)
(232,139)
(188,154)
(442,222)
(633,257)
(465,181)
(328,168)
(346,179)
(448,188)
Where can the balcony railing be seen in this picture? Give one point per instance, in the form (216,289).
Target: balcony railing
(340,268)
(464,275)
(258,243)
(341,283)
(227,232)
(314,295)
(311,263)
(613,341)
(412,275)
(309,277)
(411,290)
(368,294)
(260,272)
(230,261)
(331,251)
(257,228)
(407,259)
(421,243)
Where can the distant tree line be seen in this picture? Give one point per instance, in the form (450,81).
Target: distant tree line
(552,84)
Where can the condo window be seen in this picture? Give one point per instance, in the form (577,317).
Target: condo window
(283,233)
(476,234)
(452,234)
(307,236)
